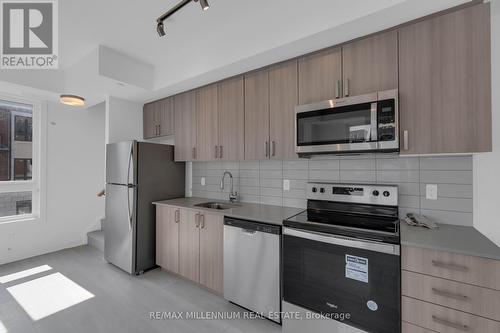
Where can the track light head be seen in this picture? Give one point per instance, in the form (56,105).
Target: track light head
(160,29)
(204,4)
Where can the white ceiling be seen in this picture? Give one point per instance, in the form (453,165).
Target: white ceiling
(231,37)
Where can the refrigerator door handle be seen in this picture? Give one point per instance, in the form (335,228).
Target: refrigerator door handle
(128,185)
(128,209)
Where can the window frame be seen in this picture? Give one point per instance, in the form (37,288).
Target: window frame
(37,184)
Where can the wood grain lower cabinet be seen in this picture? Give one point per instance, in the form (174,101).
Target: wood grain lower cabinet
(167,237)
(449,292)
(211,251)
(185,126)
(190,243)
(410,328)
(189,246)
(477,271)
(442,319)
(445,83)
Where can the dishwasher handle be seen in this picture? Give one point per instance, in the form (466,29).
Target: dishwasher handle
(251,227)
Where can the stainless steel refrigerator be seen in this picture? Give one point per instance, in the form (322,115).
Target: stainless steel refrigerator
(137,174)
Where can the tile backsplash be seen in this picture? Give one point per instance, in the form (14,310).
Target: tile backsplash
(262,181)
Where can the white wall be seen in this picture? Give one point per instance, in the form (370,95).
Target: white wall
(123,120)
(487,165)
(74,174)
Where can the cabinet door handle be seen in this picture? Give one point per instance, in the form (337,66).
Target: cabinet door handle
(460,327)
(449,295)
(405,139)
(177,215)
(216,152)
(159,129)
(274,148)
(197,220)
(452,267)
(337,89)
(346,87)
(202,217)
(266,149)
(220,151)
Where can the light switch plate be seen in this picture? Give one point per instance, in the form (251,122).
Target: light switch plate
(286,185)
(431,191)
(202,181)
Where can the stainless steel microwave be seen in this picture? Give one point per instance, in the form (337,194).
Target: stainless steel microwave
(364,123)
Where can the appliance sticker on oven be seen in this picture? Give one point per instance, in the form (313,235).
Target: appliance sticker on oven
(356,268)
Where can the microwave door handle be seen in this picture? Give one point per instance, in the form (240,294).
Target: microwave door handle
(373,120)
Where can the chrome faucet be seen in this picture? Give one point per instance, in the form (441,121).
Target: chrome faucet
(233,196)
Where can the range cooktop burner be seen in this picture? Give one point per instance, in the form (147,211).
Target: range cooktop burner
(350,210)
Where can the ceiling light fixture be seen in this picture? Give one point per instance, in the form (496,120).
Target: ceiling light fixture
(204,4)
(160,28)
(72,100)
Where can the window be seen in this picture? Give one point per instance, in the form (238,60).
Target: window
(19,162)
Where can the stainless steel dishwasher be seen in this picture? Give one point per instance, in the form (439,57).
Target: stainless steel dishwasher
(252,266)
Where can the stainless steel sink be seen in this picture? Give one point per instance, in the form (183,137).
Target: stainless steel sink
(217,205)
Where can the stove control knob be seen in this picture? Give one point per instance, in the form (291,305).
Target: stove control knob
(314,189)
(375,193)
(386,193)
(322,190)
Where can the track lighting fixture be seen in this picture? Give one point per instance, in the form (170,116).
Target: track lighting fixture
(160,28)
(204,4)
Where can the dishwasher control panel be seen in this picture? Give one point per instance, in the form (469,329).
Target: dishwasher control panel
(253,226)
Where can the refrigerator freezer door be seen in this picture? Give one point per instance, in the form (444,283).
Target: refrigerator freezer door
(120,228)
(120,162)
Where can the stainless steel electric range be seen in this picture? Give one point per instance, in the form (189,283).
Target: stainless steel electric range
(341,260)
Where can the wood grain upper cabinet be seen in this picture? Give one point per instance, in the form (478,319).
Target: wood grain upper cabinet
(257,145)
(231,119)
(370,64)
(185,126)
(166,116)
(189,246)
(150,120)
(445,83)
(167,237)
(211,251)
(158,118)
(320,76)
(207,123)
(283,97)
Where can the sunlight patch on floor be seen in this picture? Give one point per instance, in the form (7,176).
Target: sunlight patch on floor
(47,295)
(23,274)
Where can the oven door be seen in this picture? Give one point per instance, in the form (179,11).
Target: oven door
(352,281)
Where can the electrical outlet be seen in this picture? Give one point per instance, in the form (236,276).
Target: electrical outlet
(286,185)
(202,181)
(431,191)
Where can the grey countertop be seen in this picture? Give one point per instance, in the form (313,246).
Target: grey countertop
(451,238)
(245,210)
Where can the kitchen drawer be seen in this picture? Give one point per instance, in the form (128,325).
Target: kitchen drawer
(410,328)
(445,320)
(462,268)
(465,297)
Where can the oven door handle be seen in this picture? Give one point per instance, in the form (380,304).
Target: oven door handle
(344,241)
